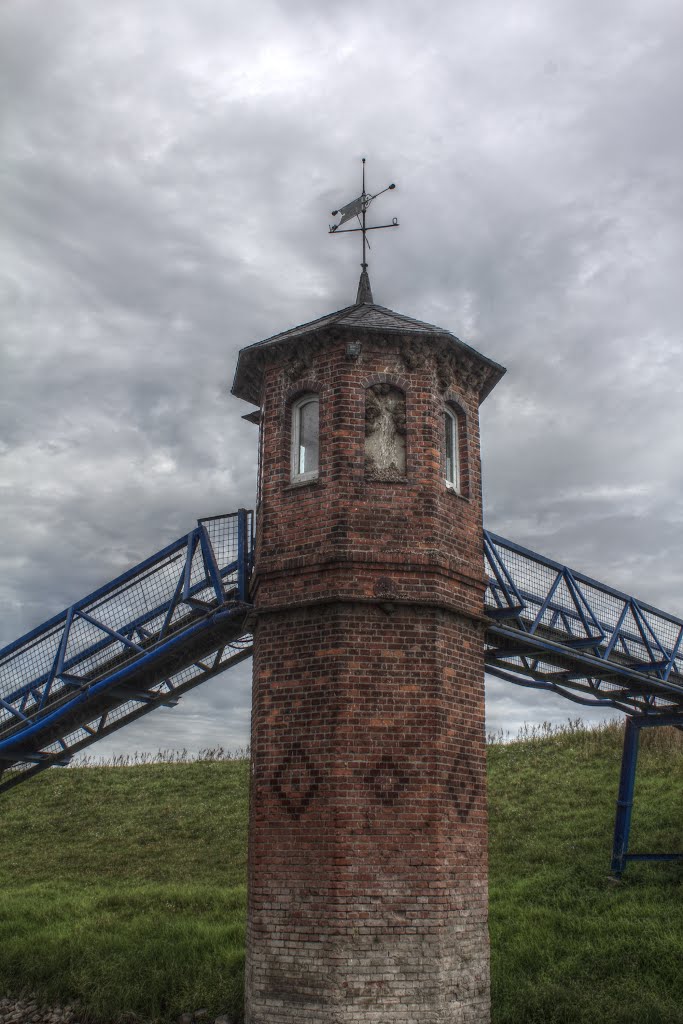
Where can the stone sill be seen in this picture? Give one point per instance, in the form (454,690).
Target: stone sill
(294,485)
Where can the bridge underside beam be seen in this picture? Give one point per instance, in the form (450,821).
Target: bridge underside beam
(538,661)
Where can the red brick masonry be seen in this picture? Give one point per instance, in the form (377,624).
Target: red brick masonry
(367,860)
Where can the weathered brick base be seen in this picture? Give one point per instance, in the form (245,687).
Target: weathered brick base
(368,874)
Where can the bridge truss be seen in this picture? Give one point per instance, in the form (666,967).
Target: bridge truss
(182,616)
(556,629)
(135,644)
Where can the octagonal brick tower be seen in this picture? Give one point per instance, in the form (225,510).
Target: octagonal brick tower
(367,873)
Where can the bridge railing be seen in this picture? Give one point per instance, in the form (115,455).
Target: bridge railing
(578,634)
(124,620)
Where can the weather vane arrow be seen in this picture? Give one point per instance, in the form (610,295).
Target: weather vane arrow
(358,208)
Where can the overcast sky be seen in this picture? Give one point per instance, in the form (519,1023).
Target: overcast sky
(168,172)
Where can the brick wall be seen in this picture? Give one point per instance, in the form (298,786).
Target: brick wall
(367,860)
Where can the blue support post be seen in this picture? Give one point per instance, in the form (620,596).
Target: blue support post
(627,780)
(242,555)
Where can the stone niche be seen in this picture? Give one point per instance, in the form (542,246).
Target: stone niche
(385,433)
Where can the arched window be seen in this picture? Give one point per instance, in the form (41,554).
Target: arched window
(305,444)
(451,449)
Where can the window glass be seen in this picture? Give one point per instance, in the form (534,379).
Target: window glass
(451,446)
(308,436)
(305,437)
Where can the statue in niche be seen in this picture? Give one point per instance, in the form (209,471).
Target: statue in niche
(385,433)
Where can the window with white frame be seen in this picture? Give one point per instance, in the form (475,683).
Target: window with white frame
(451,460)
(305,438)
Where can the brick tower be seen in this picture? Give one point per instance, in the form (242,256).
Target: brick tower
(367,841)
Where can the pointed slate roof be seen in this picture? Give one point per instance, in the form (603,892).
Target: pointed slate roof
(365,316)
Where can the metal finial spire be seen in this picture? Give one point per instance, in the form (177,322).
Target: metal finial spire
(358,208)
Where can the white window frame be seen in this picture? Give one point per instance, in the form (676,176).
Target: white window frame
(312,474)
(452,416)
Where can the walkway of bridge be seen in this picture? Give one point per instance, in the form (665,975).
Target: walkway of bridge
(182,616)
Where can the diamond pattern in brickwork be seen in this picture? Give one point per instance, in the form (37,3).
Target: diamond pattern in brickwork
(386,780)
(461,786)
(295,781)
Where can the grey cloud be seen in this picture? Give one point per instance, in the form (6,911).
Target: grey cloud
(168,177)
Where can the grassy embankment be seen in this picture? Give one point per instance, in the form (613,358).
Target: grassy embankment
(124,887)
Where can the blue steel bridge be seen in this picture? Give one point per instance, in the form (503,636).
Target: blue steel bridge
(182,616)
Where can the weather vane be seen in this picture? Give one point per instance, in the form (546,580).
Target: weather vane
(358,208)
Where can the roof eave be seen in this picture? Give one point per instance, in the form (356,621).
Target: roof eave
(246,383)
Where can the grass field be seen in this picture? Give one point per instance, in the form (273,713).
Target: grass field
(124,887)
